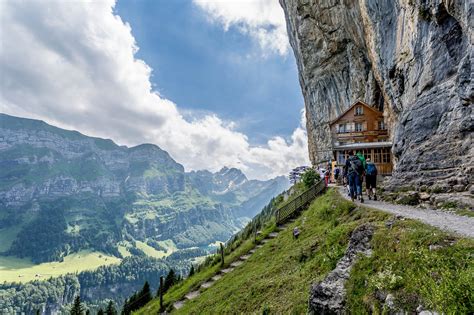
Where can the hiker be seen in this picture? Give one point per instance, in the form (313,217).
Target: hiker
(336,174)
(371,179)
(362,158)
(355,171)
(364,165)
(345,180)
(326,177)
(296,232)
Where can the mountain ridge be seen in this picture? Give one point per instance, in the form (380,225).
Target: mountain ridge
(142,188)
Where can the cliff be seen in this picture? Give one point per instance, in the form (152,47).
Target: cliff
(412,59)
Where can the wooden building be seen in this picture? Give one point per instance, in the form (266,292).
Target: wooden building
(362,128)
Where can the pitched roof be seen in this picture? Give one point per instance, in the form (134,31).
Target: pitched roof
(351,107)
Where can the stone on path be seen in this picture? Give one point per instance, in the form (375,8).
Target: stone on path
(273,234)
(252,251)
(265,240)
(236,263)
(178,305)
(192,295)
(244,257)
(207,284)
(227,270)
(216,277)
(259,246)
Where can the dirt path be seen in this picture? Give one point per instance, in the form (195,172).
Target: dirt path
(446,221)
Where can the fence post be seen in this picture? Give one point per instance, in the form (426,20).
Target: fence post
(161,293)
(222,255)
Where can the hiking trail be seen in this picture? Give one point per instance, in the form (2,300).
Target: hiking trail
(448,222)
(235,264)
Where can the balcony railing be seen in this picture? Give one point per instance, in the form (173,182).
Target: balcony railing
(361,132)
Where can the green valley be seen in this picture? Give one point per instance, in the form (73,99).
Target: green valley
(74,204)
(14,269)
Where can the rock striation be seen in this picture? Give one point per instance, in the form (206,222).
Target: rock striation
(412,59)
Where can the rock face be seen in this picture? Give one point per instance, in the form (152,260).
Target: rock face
(412,59)
(328,296)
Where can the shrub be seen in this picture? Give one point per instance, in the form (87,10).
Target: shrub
(310,177)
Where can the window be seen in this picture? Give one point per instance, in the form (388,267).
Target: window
(377,155)
(342,128)
(367,154)
(359,110)
(341,159)
(386,156)
(381,125)
(359,127)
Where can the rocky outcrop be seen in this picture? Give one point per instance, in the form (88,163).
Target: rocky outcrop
(328,296)
(412,59)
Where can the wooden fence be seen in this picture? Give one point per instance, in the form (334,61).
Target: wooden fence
(299,202)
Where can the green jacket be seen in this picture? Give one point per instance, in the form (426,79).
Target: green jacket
(362,158)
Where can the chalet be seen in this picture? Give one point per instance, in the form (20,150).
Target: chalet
(362,128)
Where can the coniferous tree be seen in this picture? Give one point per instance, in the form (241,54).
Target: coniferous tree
(125,308)
(88,312)
(111,309)
(77,307)
(100,312)
(145,294)
(169,280)
(191,271)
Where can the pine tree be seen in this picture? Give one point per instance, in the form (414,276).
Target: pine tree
(100,312)
(88,312)
(145,294)
(111,309)
(169,280)
(77,307)
(191,271)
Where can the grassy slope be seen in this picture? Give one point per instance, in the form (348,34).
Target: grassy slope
(278,276)
(14,269)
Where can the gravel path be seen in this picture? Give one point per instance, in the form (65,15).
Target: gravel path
(446,221)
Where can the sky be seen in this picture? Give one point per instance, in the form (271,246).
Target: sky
(214,83)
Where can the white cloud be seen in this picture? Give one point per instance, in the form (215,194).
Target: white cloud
(73,65)
(263,20)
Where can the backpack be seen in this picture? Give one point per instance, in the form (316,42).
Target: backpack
(356,165)
(371,170)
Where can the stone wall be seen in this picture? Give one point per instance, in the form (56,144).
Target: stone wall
(410,58)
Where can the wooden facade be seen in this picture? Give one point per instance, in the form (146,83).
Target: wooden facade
(361,128)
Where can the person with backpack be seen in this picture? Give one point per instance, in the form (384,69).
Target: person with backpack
(355,171)
(364,166)
(371,179)
(336,174)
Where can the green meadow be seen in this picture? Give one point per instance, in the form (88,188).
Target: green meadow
(13,269)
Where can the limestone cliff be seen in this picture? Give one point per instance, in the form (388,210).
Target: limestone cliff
(410,58)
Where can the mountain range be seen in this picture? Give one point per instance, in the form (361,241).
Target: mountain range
(62,192)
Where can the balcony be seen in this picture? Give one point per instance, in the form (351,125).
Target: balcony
(358,133)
